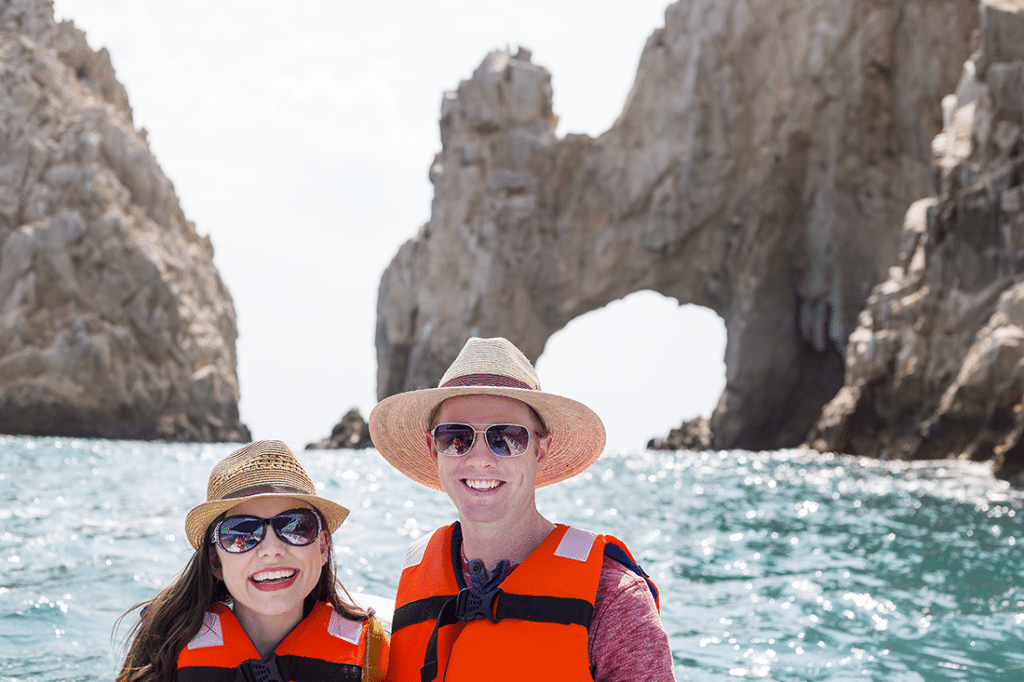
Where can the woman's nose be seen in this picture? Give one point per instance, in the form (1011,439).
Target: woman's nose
(271,544)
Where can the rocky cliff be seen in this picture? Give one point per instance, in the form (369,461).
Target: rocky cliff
(113,320)
(761,167)
(936,365)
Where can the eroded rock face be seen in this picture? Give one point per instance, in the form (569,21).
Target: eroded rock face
(352,432)
(761,167)
(936,365)
(113,320)
(694,434)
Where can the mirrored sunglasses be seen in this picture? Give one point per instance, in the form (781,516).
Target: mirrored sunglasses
(504,440)
(237,534)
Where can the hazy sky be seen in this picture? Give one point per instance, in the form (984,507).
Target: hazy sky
(299,136)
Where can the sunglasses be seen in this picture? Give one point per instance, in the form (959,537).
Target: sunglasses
(237,534)
(504,440)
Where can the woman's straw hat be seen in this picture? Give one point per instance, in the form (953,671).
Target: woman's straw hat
(266,468)
(486,367)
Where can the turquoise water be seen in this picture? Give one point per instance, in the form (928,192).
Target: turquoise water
(774,565)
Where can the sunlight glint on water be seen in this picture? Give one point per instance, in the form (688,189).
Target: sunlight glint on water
(775,566)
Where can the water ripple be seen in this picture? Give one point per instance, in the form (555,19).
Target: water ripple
(789,566)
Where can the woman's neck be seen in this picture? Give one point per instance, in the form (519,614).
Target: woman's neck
(266,631)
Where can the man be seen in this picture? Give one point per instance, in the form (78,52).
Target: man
(505,594)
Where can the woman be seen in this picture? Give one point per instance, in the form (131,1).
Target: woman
(259,598)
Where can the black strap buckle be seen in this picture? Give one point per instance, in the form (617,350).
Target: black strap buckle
(472,604)
(255,670)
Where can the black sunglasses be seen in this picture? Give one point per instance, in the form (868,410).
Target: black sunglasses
(237,534)
(504,440)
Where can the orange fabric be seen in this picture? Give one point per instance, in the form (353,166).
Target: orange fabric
(510,649)
(223,643)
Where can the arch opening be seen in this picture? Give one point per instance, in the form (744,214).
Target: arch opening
(643,363)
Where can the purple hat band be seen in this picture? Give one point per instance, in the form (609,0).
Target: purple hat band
(496,380)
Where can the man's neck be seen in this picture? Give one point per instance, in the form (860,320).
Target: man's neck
(492,542)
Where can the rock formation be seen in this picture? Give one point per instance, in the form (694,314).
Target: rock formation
(694,434)
(761,167)
(936,365)
(352,432)
(113,320)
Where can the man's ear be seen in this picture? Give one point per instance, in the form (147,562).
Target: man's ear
(543,445)
(429,439)
(215,567)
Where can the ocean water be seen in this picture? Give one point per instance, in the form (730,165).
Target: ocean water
(772,565)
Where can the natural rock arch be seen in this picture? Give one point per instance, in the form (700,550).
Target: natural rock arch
(761,167)
(643,363)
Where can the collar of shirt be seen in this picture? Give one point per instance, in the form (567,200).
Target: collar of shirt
(476,574)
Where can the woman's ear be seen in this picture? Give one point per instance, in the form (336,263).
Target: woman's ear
(215,567)
(325,546)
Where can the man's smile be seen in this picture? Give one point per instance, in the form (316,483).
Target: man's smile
(481,485)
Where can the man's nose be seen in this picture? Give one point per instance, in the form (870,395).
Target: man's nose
(479,451)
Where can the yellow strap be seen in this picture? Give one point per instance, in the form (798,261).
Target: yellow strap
(378,649)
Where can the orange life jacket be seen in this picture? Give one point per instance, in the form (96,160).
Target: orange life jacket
(533,627)
(324,646)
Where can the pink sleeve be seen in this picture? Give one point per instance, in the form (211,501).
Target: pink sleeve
(627,641)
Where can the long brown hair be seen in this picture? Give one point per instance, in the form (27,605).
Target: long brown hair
(173,617)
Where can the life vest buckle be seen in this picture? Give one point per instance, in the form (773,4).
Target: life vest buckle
(472,604)
(255,670)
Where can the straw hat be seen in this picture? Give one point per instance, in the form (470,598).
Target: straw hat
(486,367)
(266,468)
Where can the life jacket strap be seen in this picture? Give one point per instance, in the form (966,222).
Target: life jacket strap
(520,606)
(418,611)
(305,668)
(613,551)
(469,604)
(290,668)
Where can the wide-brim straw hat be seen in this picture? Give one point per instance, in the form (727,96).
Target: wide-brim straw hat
(486,367)
(266,468)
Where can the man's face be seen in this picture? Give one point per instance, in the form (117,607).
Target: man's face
(484,487)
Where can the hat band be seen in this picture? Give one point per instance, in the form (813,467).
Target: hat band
(268,489)
(497,380)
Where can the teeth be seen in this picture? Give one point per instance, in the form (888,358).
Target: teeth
(277,574)
(482,485)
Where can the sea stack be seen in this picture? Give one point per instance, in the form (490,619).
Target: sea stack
(114,322)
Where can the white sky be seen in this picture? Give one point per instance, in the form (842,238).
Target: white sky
(298,137)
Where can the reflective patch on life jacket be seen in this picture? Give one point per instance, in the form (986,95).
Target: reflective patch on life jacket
(210,634)
(414,555)
(576,544)
(343,628)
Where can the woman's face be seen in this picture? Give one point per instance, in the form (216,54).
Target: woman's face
(269,582)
